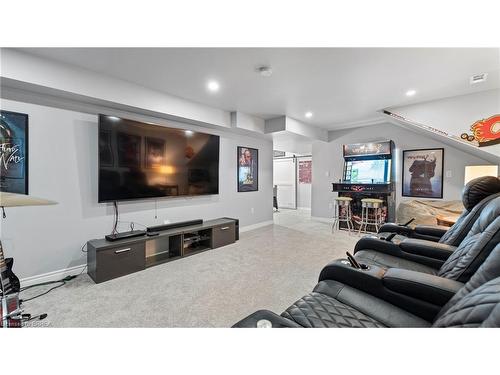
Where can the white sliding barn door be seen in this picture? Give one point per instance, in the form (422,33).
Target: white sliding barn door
(285,178)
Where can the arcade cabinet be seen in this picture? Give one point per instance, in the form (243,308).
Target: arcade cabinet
(368,173)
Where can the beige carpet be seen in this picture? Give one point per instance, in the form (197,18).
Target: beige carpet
(268,268)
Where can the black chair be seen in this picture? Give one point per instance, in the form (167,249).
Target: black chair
(475,196)
(456,263)
(379,297)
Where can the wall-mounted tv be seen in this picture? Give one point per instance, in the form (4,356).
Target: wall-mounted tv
(139,160)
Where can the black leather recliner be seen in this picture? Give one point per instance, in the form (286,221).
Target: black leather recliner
(379,297)
(475,195)
(456,263)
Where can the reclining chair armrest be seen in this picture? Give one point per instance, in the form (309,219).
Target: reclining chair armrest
(370,242)
(276,320)
(395,228)
(432,231)
(428,288)
(429,253)
(420,294)
(427,249)
(340,270)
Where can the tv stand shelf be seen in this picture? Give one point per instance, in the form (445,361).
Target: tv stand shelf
(107,260)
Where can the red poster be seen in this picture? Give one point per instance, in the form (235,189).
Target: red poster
(305,172)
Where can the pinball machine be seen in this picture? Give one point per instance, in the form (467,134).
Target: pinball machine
(368,172)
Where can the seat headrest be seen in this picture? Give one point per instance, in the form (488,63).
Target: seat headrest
(478,189)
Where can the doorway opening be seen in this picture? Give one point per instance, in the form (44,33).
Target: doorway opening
(292,182)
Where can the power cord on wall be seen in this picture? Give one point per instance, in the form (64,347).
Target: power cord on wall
(117,222)
(115,225)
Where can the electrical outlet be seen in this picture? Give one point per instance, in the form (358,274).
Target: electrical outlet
(327,174)
(448,174)
(252,210)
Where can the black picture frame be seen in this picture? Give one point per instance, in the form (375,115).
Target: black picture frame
(416,178)
(250,166)
(14,127)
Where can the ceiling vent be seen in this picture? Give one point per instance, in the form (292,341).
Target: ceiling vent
(478,78)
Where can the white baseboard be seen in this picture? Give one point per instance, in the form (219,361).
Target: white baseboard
(322,219)
(255,226)
(52,276)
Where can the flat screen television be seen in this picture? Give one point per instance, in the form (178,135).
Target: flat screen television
(139,160)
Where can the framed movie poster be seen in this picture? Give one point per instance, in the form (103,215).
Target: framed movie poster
(305,171)
(14,152)
(248,169)
(423,173)
(155,152)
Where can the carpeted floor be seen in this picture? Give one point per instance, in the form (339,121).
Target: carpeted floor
(268,268)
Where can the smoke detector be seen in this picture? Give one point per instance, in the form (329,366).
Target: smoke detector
(478,78)
(265,71)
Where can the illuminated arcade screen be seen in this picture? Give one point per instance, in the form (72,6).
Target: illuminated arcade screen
(368,171)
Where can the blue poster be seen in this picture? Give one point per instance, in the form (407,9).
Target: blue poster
(13,152)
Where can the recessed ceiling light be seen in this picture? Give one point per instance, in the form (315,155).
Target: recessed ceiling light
(410,92)
(308,114)
(213,86)
(114,118)
(478,78)
(189,133)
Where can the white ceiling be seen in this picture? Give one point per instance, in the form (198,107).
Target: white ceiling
(339,85)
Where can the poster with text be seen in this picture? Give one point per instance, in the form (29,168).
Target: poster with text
(13,152)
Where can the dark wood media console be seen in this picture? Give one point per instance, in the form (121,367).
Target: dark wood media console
(107,260)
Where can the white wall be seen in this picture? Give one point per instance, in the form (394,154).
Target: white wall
(247,122)
(63,167)
(455,115)
(328,159)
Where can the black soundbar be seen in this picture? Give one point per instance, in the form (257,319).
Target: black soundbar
(159,228)
(123,235)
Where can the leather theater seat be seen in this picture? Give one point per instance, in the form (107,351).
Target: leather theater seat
(396,300)
(475,196)
(442,260)
(412,283)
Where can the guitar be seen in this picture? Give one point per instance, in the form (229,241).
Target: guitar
(9,282)
(10,311)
